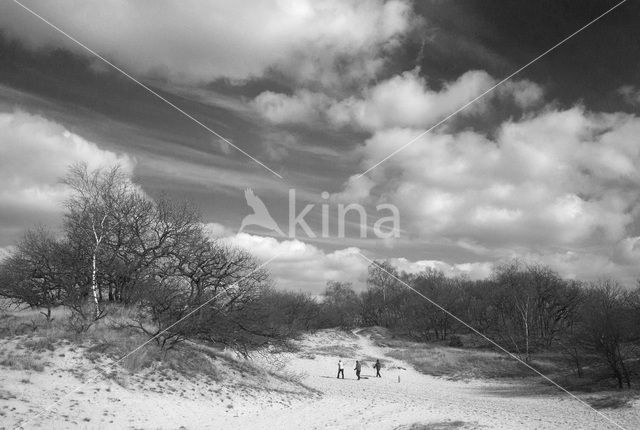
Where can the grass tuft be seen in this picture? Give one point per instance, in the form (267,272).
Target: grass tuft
(22,362)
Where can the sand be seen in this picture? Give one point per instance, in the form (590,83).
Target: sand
(401,398)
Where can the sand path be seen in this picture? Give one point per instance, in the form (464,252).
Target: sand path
(403,397)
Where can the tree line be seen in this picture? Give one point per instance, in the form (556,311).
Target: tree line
(120,248)
(525,308)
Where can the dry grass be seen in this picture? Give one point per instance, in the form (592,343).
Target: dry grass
(344,351)
(476,360)
(22,362)
(20,322)
(113,339)
(445,425)
(194,363)
(465,363)
(41,343)
(458,363)
(108,347)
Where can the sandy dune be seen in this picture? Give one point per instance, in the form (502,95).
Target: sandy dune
(401,398)
(404,397)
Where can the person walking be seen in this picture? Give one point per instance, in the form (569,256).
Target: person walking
(340,369)
(357,369)
(377,366)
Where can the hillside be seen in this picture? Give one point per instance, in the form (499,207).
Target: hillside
(44,368)
(196,387)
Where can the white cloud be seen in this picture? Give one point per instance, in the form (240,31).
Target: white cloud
(202,40)
(404,100)
(477,270)
(296,265)
(300,266)
(34,154)
(525,93)
(561,178)
(302,107)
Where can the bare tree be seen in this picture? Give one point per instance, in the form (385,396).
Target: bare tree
(383,289)
(93,212)
(33,273)
(199,290)
(534,305)
(607,328)
(341,305)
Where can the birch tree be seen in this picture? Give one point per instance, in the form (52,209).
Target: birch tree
(92,213)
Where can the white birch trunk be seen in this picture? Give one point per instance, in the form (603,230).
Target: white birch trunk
(94,278)
(94,287)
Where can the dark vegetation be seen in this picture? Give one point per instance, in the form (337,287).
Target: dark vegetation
(151,262)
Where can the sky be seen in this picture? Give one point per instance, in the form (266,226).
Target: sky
(300,97)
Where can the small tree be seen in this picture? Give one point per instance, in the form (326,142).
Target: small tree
(33,273)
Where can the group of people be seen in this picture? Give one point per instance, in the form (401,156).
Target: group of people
(358,369)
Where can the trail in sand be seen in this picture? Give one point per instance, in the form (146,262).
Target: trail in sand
(403,397)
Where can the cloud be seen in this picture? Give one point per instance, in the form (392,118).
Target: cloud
(300,266)
(296,265)
(592,265)
(311,41)
(478,270)
(630,94)
(404,100)
(627,251)
(525,93)
(560,178)
(357,189)
(216,230)
(34,154)
(302,107)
